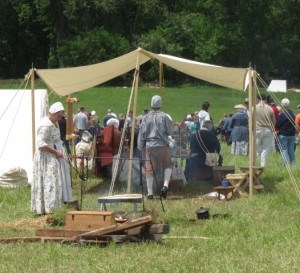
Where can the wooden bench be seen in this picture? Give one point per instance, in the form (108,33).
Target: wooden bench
(237,180)
(135,199)
(227,190)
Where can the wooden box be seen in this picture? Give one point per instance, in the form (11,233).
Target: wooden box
(219,173)
(89,220)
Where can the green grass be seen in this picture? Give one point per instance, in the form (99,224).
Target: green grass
(261,234)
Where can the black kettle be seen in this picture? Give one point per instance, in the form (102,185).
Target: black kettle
(202,213)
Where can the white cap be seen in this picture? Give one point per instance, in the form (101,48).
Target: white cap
(56,107)
(93,113)
(113,122)
(285,102)
(189,116)
(156,101)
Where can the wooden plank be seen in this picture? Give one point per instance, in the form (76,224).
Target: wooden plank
(20,240)
(91,212)
(135,231)
(56,240)
(133,198)
(118,228)
(58,232)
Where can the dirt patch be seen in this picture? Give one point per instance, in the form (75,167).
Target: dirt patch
(29,223)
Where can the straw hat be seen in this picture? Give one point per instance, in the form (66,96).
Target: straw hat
(240,106)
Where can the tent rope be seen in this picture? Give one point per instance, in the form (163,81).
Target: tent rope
(116,167)
(287,165)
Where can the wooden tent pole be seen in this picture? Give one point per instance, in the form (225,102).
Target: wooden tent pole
(135,95)
(69,124)
(32,110)
(160,74)
(252,130)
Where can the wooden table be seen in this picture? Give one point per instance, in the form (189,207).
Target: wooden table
(257,172)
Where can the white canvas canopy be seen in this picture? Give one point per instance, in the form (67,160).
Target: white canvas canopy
(65,81)
(16,151)
(277,86)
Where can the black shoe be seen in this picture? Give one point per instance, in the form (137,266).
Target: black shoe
(164,192)
(150,197)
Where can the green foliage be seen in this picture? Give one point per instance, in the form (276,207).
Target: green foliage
(229,33)
(92,47)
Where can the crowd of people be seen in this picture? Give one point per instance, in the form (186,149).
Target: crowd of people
(51,184)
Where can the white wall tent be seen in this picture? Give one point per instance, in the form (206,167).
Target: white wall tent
(16,125)
(277,86)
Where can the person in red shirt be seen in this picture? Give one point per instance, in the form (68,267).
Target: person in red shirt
(275,109)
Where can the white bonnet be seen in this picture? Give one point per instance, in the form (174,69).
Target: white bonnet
(113,122)
(56,107)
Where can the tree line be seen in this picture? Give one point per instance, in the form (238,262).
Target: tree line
(234,33)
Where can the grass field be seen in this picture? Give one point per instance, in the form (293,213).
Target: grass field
(261,234)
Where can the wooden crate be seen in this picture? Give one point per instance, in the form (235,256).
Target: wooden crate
(88,220)
(219,173)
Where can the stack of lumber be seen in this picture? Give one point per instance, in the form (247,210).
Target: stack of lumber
(135,230)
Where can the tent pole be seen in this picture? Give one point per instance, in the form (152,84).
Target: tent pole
(136,86)
(69,125)
(32,110)
(160,74)
(252,130)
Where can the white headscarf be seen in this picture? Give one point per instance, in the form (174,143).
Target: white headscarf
(56,107)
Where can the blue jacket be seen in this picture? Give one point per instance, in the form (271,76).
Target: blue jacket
(239,123)
(286,123)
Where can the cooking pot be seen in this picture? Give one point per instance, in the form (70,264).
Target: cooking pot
(202,213)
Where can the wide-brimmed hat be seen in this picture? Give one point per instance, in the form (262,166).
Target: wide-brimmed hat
(86,136)
(240,106)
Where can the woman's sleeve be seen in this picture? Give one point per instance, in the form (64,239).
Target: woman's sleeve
(43,137)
